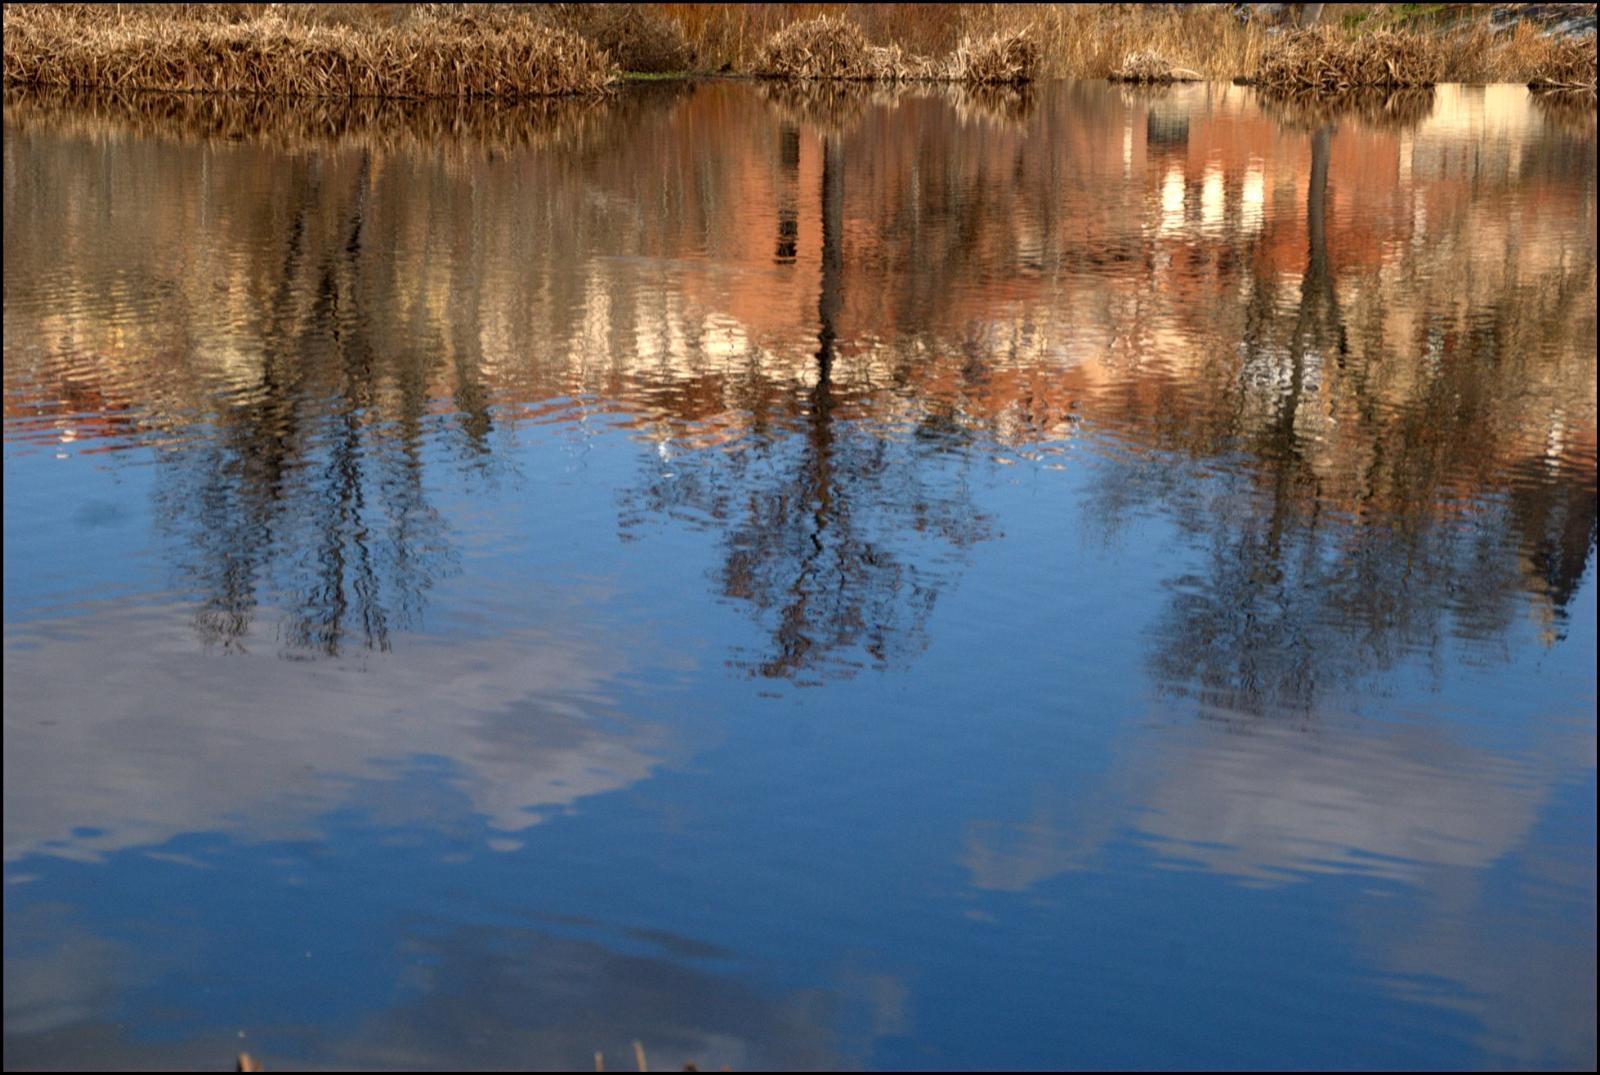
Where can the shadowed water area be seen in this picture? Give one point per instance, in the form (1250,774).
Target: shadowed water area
(889,579)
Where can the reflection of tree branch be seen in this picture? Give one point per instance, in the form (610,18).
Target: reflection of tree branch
(802,548)
(1285,608)
(300,486)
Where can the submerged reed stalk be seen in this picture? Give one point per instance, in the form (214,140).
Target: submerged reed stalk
(434,55)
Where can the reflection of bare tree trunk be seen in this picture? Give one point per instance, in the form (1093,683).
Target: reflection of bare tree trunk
(1318,325)
(818,486)
(832,257)
(238,516)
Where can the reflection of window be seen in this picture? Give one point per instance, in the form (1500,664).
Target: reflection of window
(788,234)
(1166,129)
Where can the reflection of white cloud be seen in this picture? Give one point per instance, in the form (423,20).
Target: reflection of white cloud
(1013,858)
(1412,803)
(1278,802)
(119,733)
(1388,804)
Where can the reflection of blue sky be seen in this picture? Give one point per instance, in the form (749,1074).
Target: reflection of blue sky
(74,526)
(956,863)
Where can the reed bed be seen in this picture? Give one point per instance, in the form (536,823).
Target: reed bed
(1003,58)
(636,37)
(1327,59)
(1150,68)
(1095,40)
(439,54)
(832,47)
(462,129)
(1570,65)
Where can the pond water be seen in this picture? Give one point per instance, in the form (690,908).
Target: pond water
(889,579)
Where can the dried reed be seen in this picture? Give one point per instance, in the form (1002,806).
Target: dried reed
(1569,65)
(1149,67)
(444,54)
(1002,58)
(1329,59)
(829,47)
(835,48)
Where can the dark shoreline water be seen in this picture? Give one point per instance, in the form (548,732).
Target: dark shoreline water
(874,578)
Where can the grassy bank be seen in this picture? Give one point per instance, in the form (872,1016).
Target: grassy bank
(523,50)
(1457,43)
(436,53)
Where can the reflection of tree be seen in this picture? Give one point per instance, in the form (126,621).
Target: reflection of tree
(817,516)
(303,489)
(1292,600)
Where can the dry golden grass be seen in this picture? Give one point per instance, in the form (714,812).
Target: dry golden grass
(1095,40)
(1569,65)
(883,41)
(436,54)
(636,37)
(832,47)
(1328,59)
(1148,67)
(1005,57)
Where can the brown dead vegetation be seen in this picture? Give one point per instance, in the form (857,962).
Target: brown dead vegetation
(438,53)
(1569,65)
(1331,60)
(836,48)
(1143,66)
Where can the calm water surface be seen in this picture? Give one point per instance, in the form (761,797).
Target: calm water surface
(893,580)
